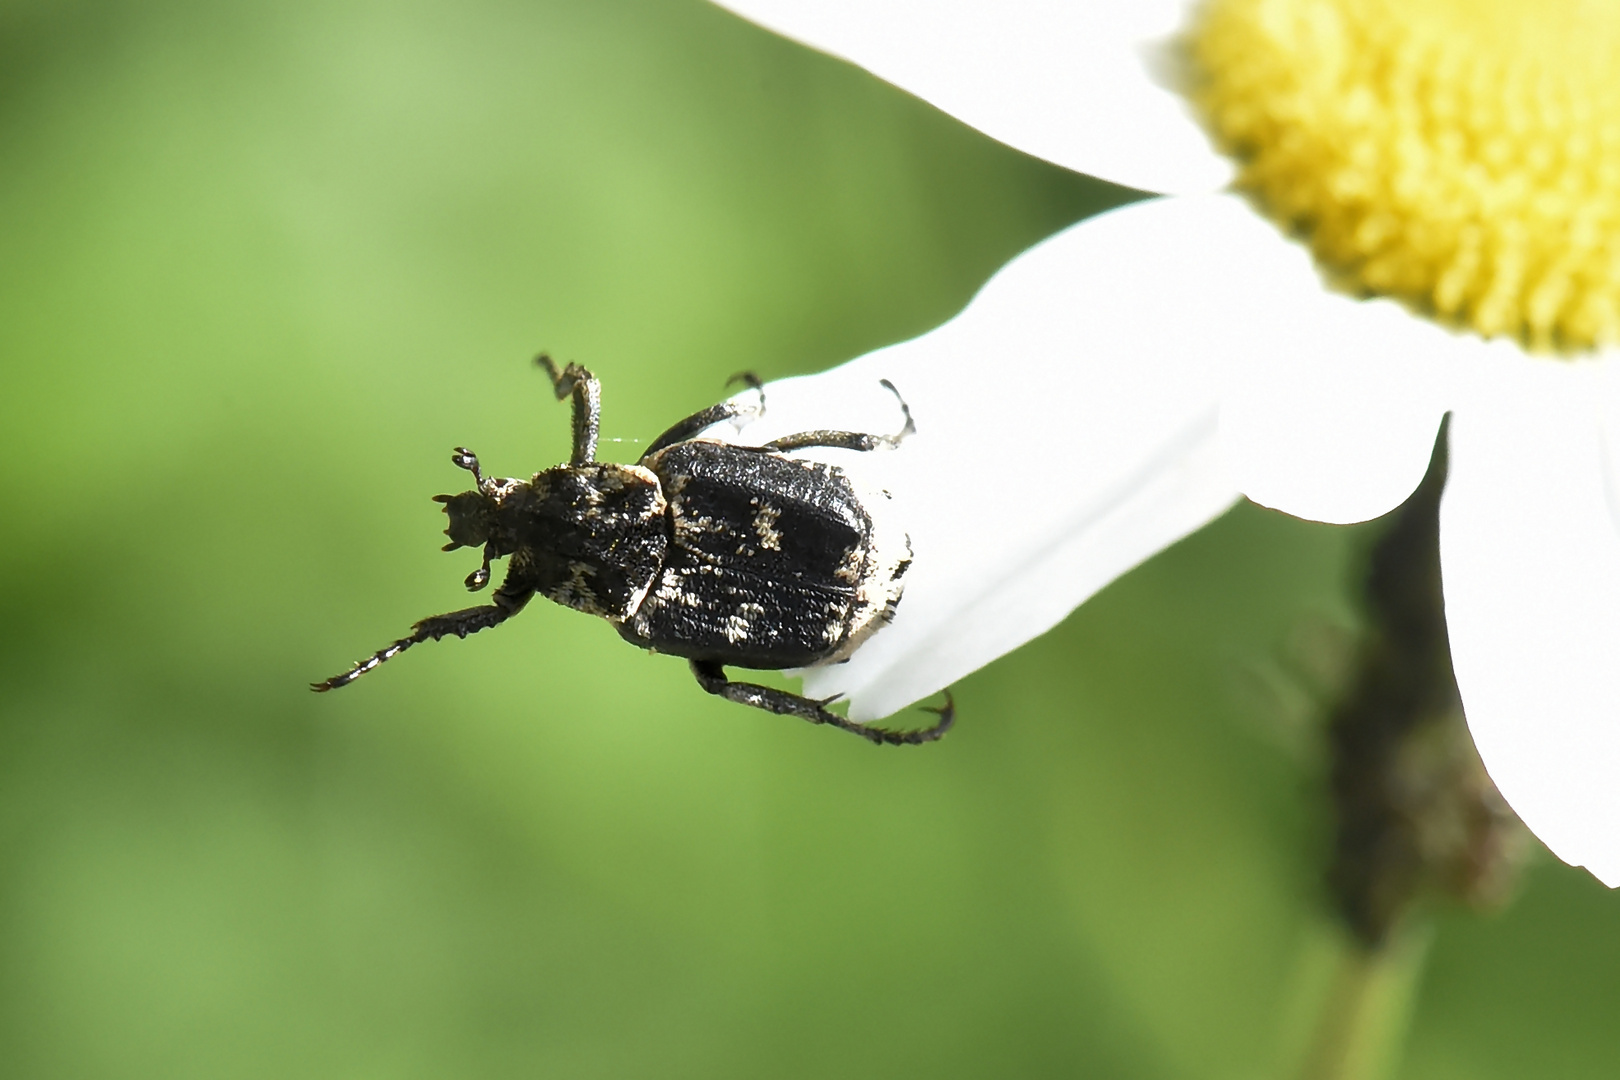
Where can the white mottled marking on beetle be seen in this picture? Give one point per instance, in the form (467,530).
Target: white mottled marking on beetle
(765,527)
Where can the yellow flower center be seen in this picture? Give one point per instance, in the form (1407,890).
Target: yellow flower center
(1460,155)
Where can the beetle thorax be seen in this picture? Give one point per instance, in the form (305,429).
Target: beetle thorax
(589,537)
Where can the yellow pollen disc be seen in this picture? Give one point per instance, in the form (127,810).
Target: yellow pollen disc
(1460,155)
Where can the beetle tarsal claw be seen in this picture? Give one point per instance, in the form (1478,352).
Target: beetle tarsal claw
(750,380)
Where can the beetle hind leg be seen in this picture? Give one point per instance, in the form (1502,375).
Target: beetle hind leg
(712,677)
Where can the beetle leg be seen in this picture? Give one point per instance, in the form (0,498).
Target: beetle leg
(587,392)
(712,677)
(710,416)
(849,440)
(838,440)
(460,623)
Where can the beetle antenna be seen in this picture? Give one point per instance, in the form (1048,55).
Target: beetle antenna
(480,577)
(463,458)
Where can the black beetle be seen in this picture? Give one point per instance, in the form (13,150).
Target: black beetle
(719,553)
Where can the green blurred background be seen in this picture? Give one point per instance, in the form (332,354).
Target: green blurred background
(263,265)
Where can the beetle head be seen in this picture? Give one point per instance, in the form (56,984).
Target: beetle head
(476,520)
(472,518)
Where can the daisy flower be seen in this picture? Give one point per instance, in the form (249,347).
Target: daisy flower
(1374,212)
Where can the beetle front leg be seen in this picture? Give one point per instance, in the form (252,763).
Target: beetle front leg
(587,392)
(460,623)
(712,677)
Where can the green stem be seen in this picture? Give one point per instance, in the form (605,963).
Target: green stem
(1362,1026)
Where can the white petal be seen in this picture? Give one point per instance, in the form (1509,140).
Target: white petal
(1067,81)
(1065,431)
(1531,562)
(1334,405)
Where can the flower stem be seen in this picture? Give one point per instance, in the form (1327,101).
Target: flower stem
(1362,1026)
